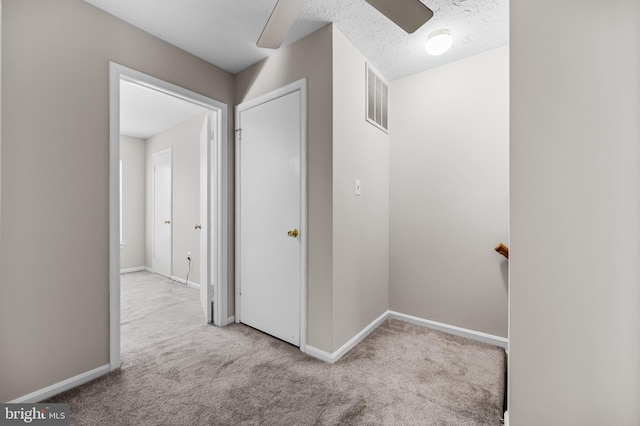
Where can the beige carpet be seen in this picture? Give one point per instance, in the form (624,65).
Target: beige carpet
(176,370)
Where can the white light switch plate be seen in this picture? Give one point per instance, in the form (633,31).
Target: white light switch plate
(358,188)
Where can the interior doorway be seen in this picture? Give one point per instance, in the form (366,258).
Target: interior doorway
(212,220)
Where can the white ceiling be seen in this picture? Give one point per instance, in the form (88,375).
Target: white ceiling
(224,32)
(146,112)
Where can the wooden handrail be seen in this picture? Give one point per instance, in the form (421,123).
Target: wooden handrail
(503,250)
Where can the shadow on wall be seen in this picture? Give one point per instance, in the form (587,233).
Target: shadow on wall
(504,270)
(251,75)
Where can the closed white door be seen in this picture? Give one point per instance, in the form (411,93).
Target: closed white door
(269,191)
(162,208)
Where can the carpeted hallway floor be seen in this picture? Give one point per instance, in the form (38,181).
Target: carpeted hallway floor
(176,370)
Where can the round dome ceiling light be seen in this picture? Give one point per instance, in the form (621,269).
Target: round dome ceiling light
(438,42)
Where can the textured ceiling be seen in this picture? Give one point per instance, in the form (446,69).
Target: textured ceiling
(224,32)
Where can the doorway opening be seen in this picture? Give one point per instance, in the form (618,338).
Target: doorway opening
(210,222)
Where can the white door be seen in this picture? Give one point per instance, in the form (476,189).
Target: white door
(206,289)
(162,203)
(270,216)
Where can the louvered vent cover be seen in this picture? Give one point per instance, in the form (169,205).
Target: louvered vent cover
(377,100)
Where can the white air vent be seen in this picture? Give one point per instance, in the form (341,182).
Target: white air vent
(377,100)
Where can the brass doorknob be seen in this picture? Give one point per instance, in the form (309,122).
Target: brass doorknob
(166,222)
(293,233)
(198,226)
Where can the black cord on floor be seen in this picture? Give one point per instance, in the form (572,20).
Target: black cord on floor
(186,282)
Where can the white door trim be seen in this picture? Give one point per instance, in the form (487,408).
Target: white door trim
(218,192)
(300,85)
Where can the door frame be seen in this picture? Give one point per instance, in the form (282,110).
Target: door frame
(153,184)
(218,193)
(301,86)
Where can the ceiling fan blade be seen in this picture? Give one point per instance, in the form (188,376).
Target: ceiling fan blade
(407,14)
(279,23)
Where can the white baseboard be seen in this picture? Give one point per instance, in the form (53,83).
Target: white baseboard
(506,418)
(331,358)
(230,320)
(148,269)
(452,329)
(359,337)
(318,354)
(62,386)
(129,270)
(183,281)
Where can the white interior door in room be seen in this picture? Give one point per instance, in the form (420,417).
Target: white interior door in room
(271,218)
(162,209)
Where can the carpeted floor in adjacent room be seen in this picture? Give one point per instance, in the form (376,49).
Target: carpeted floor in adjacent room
(177,370)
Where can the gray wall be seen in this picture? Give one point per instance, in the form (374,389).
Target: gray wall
(184,139)
(348,235)
(54,280)
(132,155)
(449,193)
(360,223)
(575,213)
(310,58)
